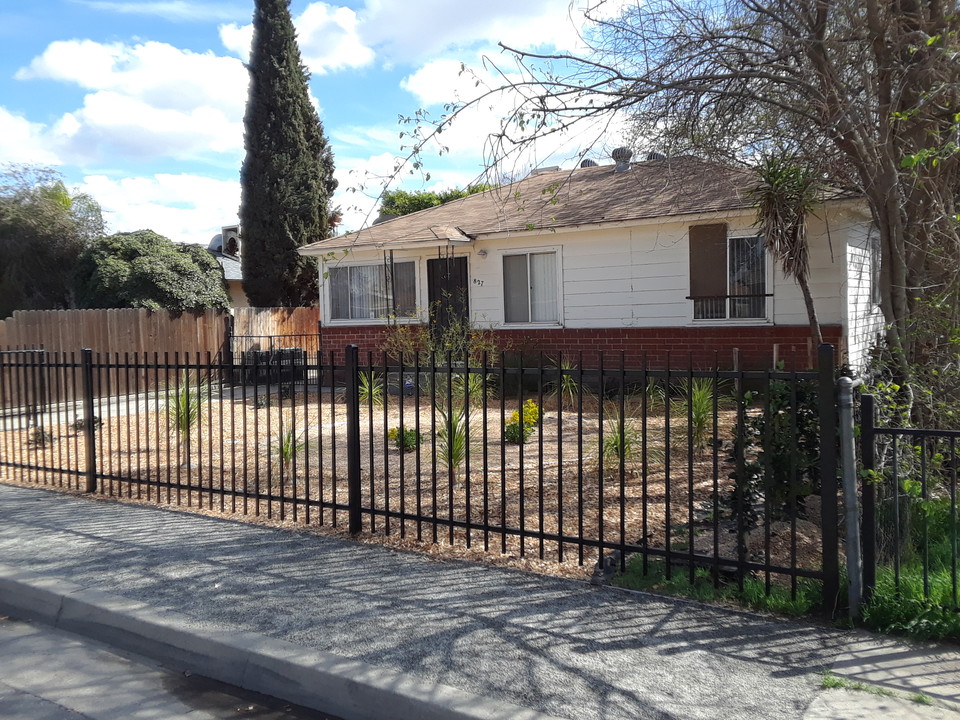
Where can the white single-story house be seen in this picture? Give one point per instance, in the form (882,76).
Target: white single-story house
(644,257)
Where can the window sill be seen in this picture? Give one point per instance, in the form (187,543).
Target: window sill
(373,322)
(740,322)
(733,321)
(532,326)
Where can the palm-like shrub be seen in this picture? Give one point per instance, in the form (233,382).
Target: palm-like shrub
(184,407)
(289,445)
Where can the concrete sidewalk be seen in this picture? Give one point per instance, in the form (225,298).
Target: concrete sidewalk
(362,631)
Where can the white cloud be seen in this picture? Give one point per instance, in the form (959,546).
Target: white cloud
(185,208)
(145,100)
(412,32)
(328,39)
(335,37)
(237,39)
(327,35)
(22,141)
(177,10)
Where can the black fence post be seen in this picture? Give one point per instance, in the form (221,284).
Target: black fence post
(89,421)
(828,481)
(868,496)
(351,354)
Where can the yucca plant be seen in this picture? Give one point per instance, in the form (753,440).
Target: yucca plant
(184,406)
(371,388)
(698,396)
(469,386)
(622,441)
(567,388)
(625,442)
(40,438)
(289,445)
(453,436)
(787,193)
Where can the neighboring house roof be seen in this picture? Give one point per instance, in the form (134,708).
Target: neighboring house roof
(230,265)
(565,198)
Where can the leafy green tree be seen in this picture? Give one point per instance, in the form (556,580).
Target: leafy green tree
(401,202)
(145,270)
(287,174)
(43,229)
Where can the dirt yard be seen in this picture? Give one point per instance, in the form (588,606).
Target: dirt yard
(282,460)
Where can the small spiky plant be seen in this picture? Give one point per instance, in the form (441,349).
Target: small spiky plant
(289,445)
(184,406)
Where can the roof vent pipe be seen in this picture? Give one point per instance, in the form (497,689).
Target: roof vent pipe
(621,156)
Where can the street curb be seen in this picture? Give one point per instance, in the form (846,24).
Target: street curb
(320,680)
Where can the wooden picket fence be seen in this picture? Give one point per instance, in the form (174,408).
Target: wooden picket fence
(113,334)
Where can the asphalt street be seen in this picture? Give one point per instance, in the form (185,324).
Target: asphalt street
(49,674)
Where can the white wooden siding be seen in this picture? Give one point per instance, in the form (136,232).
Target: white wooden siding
(636,276)
(864,319)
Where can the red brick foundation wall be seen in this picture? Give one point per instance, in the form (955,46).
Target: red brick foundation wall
(698,347)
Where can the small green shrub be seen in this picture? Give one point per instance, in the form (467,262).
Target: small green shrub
(780,442)
(522,422)
(40,438)
(532,414)
(516,433)
(754,594)
(404,439)
(80,424)
(908,610)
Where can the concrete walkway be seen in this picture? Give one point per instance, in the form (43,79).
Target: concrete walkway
(366,632)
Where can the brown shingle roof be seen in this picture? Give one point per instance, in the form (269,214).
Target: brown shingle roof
(564,198)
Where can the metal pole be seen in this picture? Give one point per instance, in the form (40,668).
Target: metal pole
(828,481)
(848,464)
(868,494)
(89,421)
(351,354)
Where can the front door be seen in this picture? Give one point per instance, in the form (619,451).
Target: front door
(448,293)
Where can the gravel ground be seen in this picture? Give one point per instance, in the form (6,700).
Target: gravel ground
(552,644)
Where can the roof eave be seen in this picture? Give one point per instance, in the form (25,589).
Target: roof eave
(314,251)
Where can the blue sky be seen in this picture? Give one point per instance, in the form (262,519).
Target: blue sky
(140,102)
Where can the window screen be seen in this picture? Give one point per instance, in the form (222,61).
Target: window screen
(530,288)
(728,276)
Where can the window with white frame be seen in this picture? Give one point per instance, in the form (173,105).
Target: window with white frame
(728,275)
(369,292)
(530,288)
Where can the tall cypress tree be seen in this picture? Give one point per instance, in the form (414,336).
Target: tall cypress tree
(287,174)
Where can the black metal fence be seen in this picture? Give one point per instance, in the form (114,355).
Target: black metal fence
(910,515)
(695,471)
